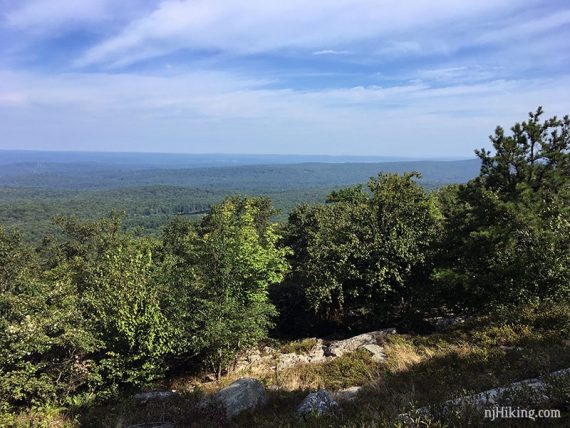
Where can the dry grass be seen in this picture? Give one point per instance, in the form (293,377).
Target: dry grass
(484,353)
(353,369)
(402,355)
(298,346)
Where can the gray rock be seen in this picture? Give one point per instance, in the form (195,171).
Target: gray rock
(315,355)
(317,403)
(376,352)
(340,347)
(249,359)
(317,352)
(243,394)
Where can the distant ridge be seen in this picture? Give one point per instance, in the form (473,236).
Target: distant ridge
(244,178)
(175,160)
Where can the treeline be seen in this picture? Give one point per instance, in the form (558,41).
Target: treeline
(93,309)
(145,210)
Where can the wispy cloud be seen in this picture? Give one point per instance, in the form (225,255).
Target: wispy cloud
(204,109)
(328,76)
(331,52)
(260,26)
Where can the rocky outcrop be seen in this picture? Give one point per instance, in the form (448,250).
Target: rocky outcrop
(315,355)
(270,357)
(317,403)
(492,396)
(243,394)
(341,347)
(444,323)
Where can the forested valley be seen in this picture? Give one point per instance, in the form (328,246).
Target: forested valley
(92,311)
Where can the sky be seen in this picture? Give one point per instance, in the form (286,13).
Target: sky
(338,77)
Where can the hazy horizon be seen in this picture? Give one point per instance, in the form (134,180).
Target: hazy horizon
(10,159)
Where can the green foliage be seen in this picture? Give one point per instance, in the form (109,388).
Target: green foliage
(507,233)
(238,260)
(355,256)
(535,156)
(45,340)
(95,309)
(119,292)
(150,197)
(91,309)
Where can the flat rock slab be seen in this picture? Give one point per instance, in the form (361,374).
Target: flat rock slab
(341,347)
(241,395)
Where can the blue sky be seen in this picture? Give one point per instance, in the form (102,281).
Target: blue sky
(362,77)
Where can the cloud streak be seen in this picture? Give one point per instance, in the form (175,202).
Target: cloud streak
(327,76)
(258,26)
(234,113)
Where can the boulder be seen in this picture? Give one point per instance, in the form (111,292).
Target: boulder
(250,359)
(495,396)
(375,351)
(317,403)
(443,323)
(340,347)
(241,395)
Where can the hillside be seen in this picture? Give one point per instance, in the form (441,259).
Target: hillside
(384,304)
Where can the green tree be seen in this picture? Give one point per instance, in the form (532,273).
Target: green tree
(45,341)
(535,156)
(355,256)
(231,259)
(120,291)
(507,233)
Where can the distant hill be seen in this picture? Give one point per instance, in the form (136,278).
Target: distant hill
(99,175)
(35,186)
(180,160)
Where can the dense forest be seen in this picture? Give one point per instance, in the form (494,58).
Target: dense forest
(92,311)
(149,195)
